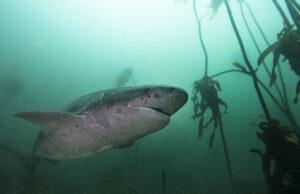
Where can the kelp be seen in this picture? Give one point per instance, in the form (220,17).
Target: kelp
(208,89)
(266,52)
(246,59)
(297,92)
(282,94)
(241,67)
(200,127)
(211,139)
(288,45)
(294,13)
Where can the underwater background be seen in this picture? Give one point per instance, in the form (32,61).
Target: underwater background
(52,52)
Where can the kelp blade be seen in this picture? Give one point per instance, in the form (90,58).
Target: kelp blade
(267,52)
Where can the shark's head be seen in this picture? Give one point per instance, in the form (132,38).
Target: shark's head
(164,99)
(138,111)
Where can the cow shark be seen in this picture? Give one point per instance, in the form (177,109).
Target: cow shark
(99,121)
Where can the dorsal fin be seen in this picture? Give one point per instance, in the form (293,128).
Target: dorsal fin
(49,121)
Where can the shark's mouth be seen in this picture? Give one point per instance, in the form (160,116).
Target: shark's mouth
(160,110)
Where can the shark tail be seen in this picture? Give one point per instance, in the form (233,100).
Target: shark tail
(30,161)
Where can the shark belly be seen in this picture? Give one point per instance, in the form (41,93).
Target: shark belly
(72,143)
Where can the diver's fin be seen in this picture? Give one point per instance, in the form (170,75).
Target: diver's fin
(127,145)
(49,121)
(26,158)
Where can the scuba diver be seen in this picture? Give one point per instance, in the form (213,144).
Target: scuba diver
(282,147)
(123,78)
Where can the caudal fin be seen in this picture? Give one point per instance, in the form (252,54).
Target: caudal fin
(26,158)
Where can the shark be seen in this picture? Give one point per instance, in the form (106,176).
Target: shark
(102,120)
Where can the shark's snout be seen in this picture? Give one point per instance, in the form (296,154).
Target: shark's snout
(175,99)
(164,99)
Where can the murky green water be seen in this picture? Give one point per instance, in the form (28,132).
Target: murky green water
(52,52)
